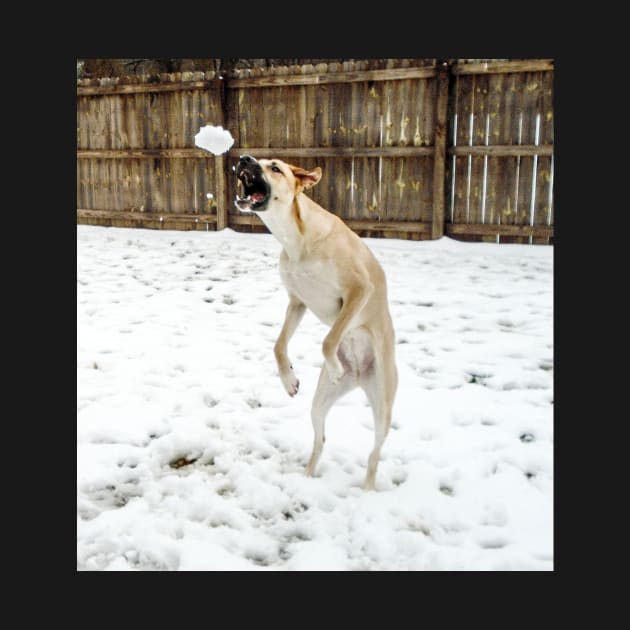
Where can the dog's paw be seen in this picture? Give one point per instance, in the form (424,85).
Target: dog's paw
(291,383)
(293,388)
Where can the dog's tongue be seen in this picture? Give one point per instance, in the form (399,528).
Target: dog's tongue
(258,196)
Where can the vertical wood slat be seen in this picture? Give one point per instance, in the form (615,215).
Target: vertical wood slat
(333,199)
(360,139)
(544,176)
(353,134)
(526,163)
(494,165)
(439,156)
(386,175)
(509,135)
(220,166)
(232,121)
(401,202)
(479,109)
(429,111)
(373,111)
(420,113)
(464,108)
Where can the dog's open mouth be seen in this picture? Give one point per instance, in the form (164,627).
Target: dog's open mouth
(253,190)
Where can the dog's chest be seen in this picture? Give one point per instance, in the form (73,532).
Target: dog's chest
(316,284)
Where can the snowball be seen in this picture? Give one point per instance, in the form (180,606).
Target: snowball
(214,139)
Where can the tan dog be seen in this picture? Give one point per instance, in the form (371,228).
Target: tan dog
(327,268)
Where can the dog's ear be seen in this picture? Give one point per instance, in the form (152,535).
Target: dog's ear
(306,179)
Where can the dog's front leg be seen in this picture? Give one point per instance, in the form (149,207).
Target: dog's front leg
(353,304)
(294,314)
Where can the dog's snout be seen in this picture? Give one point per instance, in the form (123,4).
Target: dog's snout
(246,159)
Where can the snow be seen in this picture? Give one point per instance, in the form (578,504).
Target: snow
(190,454)
(214,139)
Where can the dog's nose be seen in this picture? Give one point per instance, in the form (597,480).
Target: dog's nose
(246,159)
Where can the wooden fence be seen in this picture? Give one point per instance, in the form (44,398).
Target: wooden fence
(411,152)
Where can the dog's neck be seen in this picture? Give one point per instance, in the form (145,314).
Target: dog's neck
(286,223)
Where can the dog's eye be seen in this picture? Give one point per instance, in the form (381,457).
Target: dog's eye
(275,169)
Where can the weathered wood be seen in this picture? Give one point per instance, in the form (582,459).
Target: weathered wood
(151,220)
(479,110)
(465,101)
(354,224)
(439,155)
(339,171)
(166,187)
(143,88)
(510,133)
(360,99)
(494,172)
(331,152)
(221,173)
(390,226)
(376,139)
(542,192)
(353,123)
(426,186)
(511,230)
(546,131)
(222,194)
(253,117)
(387,174)
(270,126)
(333,77)
(109,154)
(524,163)
(492,67)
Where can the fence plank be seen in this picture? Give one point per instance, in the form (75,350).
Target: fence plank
(222,193)
(429,111)
(439,156)
(82,127)
(355,224)
(152,220)
(503,150)
(420,113)
(514,231)
(546,132)
(142,88)
(109,154)
(322,152)
(543,183)
(524,163)
(274,125)
(479,110)
(352,139)
(528,65)
(494,166)
(510,134)
(333,77)
(465,96)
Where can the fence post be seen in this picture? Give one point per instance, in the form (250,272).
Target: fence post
(221,168)
(439,155)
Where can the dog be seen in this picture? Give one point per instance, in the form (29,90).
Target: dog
(328,269)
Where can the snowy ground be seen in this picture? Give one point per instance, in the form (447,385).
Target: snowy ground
(190,454)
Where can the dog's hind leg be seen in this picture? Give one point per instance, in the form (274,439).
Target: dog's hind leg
(379,385)
(326,394)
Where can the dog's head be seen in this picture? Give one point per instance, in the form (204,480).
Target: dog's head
(265,183)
